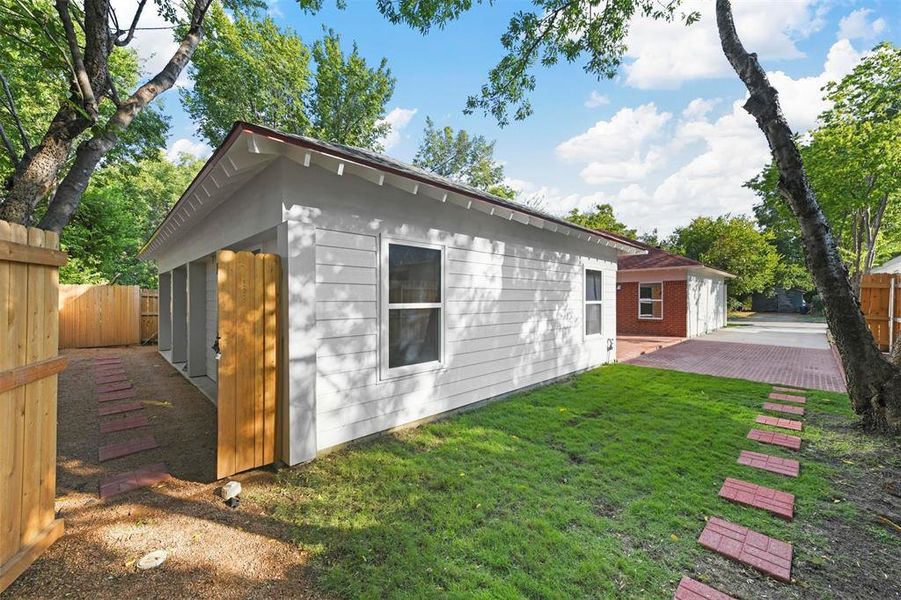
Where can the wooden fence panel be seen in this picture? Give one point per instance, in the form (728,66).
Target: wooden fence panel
(29,327)
(92,316)
(150,314)
(248,301)
(880,302)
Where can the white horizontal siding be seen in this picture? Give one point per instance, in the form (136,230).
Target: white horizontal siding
(512,319)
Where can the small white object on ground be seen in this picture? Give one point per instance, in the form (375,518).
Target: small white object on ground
(152,560)
(230,490)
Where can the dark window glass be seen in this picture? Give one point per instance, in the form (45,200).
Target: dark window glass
(592,285)
(414,274)
(650,290)
(413,336)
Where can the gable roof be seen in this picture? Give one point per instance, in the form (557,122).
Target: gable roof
(239,157)
(657,258)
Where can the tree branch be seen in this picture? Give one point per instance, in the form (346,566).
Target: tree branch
(11,107)
(89,103)
(10,149)
(131,30)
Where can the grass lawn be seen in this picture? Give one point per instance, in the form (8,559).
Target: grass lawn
(595,487)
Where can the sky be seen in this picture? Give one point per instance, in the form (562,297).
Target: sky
(665,141)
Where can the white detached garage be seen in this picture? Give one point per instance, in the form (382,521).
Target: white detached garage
(400,295)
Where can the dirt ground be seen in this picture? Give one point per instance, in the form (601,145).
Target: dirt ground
(214,552)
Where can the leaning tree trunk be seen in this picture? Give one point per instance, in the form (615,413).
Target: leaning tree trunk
(874,384)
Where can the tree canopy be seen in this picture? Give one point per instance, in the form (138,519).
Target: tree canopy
(600,217)
(853,161)
(463,157)
(732,244)
(250,69)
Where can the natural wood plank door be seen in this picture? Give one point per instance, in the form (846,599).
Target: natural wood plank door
(248,305)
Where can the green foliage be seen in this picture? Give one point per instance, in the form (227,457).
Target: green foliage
(601,217)
(33,60)
(348,100)
(463,157)
(118,212)
(853,161)
(732,244)
(555,30)
(249,69)
(593,488)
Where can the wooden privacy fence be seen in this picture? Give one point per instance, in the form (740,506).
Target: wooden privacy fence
(880,302)
(248,300)
(29,363)
(150,314)
(92,316)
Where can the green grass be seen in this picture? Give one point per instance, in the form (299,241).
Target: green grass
(595,487)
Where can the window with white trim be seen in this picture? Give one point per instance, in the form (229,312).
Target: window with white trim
(650,300)
(593,298)
(414,305)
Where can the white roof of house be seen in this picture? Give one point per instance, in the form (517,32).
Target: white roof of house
(890,266)
(249,148)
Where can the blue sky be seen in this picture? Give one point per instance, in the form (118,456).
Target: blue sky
(665,141)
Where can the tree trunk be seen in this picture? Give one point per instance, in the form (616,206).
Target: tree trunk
(874,384)
(90,152)
(37,172)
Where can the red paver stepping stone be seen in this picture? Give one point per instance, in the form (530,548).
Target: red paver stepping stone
(768,555)
(780,422)
(123,424)
(115,409)
(781,504)
(689,589)
(108,373)
(114,387)
(775,438)
(111,378)
(788,398)
(133,446)
(125,482)
(109,360)
(784,408)
(773,464)
(117,395)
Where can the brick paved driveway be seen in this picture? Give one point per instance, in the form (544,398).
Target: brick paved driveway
(807,368)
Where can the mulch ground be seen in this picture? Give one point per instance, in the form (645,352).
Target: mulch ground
(214,552)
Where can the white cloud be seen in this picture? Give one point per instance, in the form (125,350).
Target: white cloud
(660,172)
(187,146)
(618,150)
(154,46)
(664,55)
(397,119)
(858,26)
(595,100)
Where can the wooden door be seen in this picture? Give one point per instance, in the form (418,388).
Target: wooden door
(248,302)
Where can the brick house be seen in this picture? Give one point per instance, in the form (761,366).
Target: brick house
(665,294)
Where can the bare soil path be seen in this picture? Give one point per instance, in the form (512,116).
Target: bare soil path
(214,552)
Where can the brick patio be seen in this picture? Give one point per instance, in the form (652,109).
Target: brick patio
(805,368)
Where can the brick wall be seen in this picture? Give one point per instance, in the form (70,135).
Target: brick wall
(675,311)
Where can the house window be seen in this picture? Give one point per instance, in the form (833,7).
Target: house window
(592,302)
(650,300)
(415,309)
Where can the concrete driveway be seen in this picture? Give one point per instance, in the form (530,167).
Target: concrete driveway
(779,349)
(796,331)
